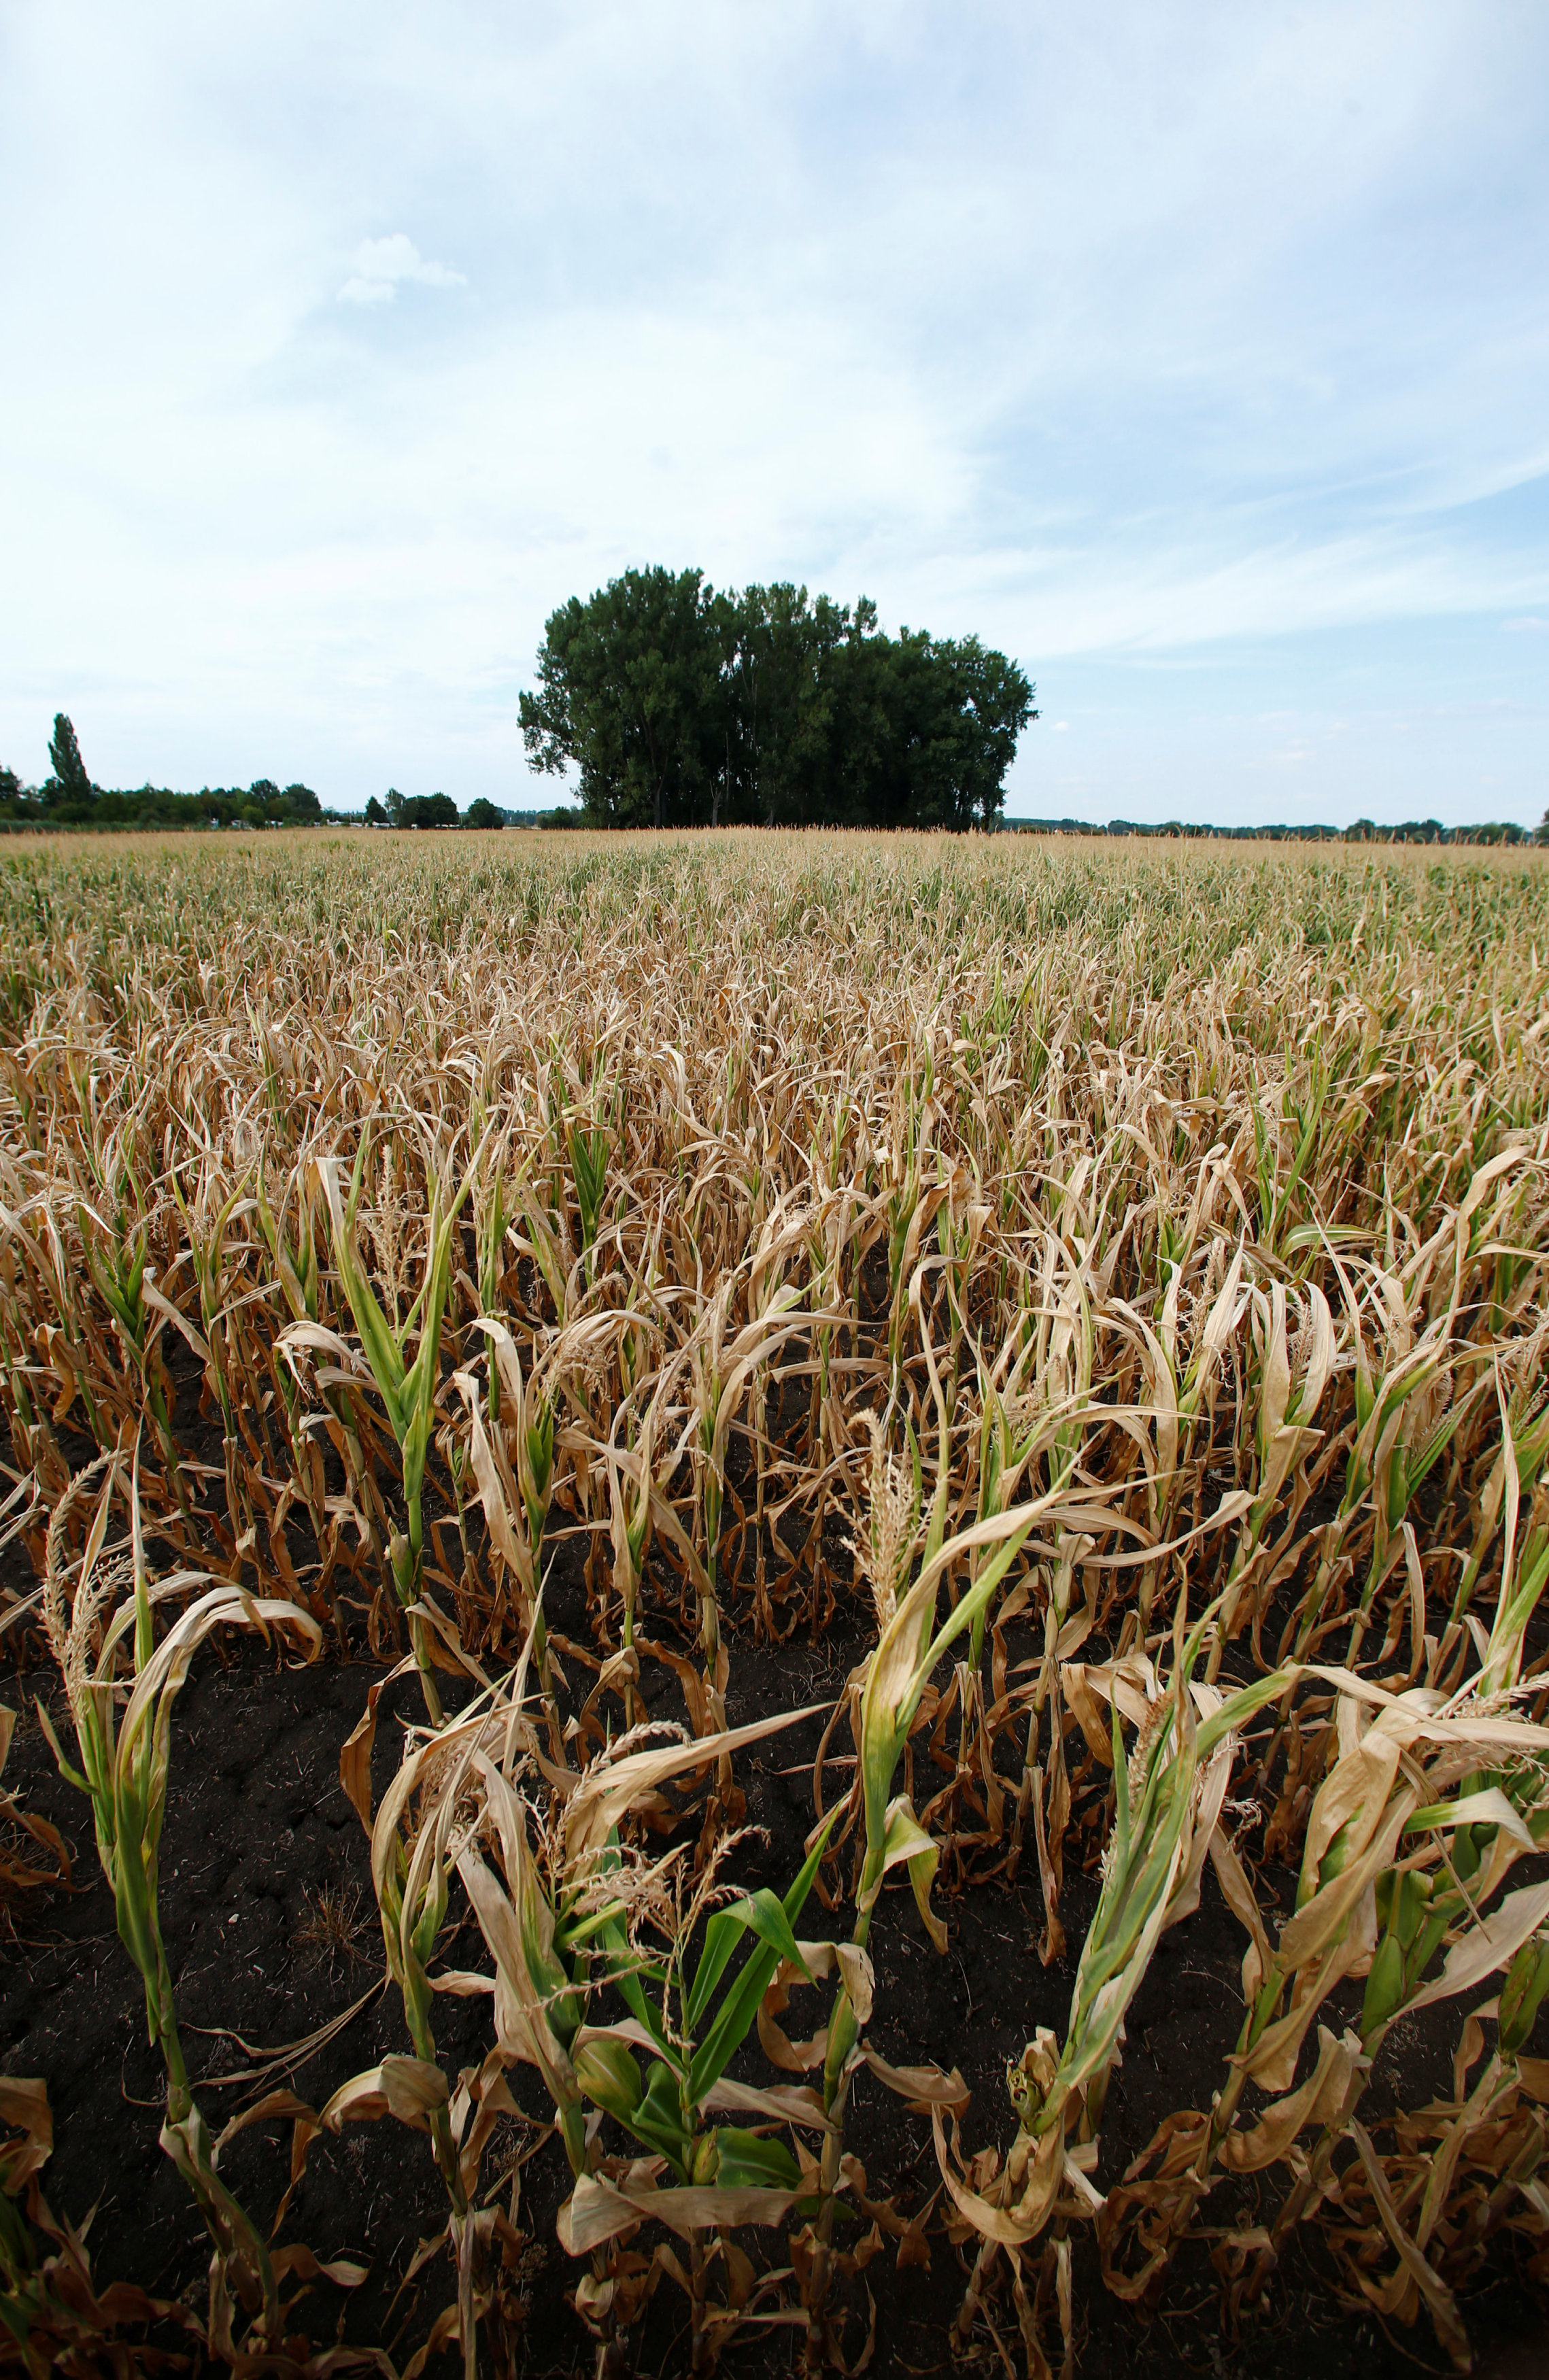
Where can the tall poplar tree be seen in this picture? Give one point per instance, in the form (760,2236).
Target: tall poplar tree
(69,769)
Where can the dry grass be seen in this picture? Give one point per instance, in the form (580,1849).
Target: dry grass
(334,1930)
(1136,1254)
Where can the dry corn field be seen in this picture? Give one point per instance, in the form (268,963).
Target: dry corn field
(772,1602)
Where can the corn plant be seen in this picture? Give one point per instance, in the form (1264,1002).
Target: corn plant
(412,1865)
(1523,1452)
(118,1271)
(721,1369)
(208,1229)
(1284,1433)
(1382,1789)
(688,2018)
(559,1925)
(515,1500)
(406,1386)
(1168,1796)
(635,1496)
(123,1767)
(490,1222)
(299,1273)
(589,1148)
(909,1646)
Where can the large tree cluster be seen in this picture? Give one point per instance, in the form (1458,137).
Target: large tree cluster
(676,704)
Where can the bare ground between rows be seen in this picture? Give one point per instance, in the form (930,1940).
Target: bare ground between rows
(260,1835)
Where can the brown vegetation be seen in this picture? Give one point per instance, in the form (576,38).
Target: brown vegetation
(1104,1290)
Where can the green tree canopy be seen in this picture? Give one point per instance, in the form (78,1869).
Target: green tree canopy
(69,783)
(679,705)
(425,809)
(628,695)
(482,813)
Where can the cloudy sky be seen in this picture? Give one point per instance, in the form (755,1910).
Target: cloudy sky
(1196,354)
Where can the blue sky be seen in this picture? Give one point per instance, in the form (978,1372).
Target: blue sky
(1197,354)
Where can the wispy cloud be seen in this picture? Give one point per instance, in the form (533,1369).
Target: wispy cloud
(1196,357)
(381,264)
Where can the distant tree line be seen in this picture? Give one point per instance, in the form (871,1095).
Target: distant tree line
(68,797)
(676,704)
(1362,831)
(431,809)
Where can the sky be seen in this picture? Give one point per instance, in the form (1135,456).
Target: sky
(1195,355)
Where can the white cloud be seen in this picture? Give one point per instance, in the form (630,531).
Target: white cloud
(1528,621)
(1129,340)
(380,264)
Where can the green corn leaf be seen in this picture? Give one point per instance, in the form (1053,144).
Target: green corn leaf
(759,1913)
(608,2073)
(968,1608)
(658,2119)
(740,2007)
(1487,1807)
(748,2160)
(1243,1706)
